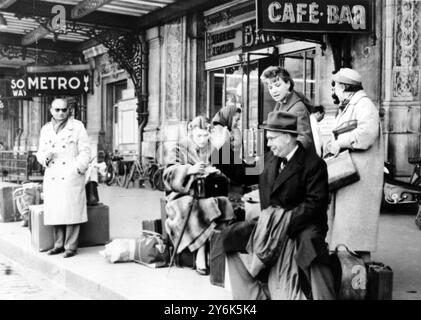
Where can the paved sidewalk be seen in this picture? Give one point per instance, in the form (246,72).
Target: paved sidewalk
(20,283)
(90,275)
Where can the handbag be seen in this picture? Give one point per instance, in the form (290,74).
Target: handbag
(91,189)
(151,250)
(345,127)
(350,274)
(212,185)
(341,171)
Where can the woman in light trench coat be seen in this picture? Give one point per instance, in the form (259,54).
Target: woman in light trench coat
(65,152)
(355,208)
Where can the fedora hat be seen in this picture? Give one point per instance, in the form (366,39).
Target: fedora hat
(280,121)
(347,76)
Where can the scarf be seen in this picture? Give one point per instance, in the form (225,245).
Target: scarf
(59,125)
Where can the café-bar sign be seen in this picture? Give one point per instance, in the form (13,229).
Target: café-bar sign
(55,83)
(336,16)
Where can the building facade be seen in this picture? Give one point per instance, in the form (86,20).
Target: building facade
(199,60)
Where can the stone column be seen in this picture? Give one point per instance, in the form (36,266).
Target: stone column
(35,113)
(173,82)
(23,143)
(150,143)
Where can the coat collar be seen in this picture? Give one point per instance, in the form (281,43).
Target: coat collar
(68,128)
(354,100)
(289,101)
(292,167)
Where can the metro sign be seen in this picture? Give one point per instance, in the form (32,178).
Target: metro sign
(57,83)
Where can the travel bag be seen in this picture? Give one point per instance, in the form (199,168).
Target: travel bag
(380,281)
(151,250)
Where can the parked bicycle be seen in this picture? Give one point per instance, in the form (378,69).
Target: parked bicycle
(145,173)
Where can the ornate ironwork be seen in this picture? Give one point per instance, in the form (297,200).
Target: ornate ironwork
(130,53)
(406,66)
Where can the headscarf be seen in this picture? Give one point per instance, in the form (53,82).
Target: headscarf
(224,116)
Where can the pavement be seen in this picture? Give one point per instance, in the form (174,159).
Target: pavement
(93,277)
(89,275)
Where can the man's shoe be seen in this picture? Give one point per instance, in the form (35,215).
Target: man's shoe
(55,251)
(69,253)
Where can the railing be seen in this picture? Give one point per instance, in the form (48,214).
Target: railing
(20,166)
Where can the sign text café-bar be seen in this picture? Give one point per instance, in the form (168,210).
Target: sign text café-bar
(350,16)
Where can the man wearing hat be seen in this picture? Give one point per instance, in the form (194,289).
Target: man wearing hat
(355,208)
(294,179)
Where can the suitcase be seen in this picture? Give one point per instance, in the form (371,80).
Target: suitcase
(152,225)
(217,260)
(8,209)
(42,236)
(96,231)
(380,281)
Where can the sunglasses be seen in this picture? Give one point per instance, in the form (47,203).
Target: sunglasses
(61,109)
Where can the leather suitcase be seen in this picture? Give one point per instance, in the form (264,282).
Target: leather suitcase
(8,210)
(152,225)
(217,259)
(42,236)
(380,281)
(96,231)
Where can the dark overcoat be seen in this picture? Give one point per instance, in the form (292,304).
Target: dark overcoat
(302,186)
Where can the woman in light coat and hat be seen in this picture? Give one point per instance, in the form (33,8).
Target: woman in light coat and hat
(64,151)
(356,207)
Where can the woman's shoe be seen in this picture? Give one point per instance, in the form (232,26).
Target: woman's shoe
(55,251)
(202,272)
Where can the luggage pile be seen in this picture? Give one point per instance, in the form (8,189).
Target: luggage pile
(359,280)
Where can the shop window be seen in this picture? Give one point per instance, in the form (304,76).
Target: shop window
(217,88)
(300,65)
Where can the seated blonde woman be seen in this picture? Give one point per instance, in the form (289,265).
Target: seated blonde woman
(187,160)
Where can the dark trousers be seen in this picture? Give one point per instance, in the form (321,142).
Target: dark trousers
(66,236)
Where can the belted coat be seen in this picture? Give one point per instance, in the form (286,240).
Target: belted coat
(64,177)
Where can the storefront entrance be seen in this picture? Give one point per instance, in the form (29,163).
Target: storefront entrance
(240,84)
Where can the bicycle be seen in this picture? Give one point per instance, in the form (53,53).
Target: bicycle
(143,173)
(116,170)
